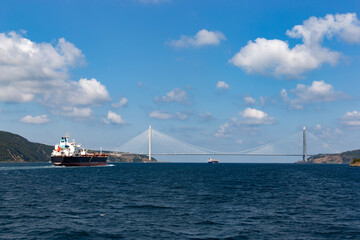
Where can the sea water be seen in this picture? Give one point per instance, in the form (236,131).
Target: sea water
(180,201)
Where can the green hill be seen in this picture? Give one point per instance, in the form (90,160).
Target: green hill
(14,148)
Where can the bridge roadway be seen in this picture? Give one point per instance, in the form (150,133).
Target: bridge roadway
(223,154)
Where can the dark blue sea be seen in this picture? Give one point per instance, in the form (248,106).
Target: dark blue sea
(180,201)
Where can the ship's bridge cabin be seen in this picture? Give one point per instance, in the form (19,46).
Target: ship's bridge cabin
(64,142)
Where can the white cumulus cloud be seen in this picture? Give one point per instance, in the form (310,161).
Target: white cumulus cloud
(88,92)
(325,133)
(160,115)
(318,91)
(39,72)
(275,58)
(224,130)
(351,119)
(202,38)
(249,100)
(252,116)
(122,103)
(113,118)
(176,95)
(221,85)
(313,30)
(39,119)
(249,121)
(29,69)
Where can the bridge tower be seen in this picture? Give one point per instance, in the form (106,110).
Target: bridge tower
(304,145)
(150,143)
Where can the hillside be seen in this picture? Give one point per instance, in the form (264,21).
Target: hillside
(14,148)
(338,158)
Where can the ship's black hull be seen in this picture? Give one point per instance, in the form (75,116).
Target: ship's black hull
(79,161)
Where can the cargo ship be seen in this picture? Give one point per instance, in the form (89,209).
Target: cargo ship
(72,154)
(213,160)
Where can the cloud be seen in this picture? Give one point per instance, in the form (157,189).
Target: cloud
(249,100)
(73,112)
(181,116)
(221,85)
(40,119)
(250,119)
(224,130)
(351,119)
(176,95)
(165,115)
(252,116)
(319,91)
(275,57)
(325,133)
(88,92)
(284,95)
(38,72)
(345,26)
(202,38)
(141,85)
(30,68)
(207,116)
(122,103)
(160,115)
(113,118)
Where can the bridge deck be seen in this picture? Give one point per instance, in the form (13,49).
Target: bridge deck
(225,154)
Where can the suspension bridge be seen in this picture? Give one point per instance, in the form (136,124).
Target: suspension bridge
(154,143)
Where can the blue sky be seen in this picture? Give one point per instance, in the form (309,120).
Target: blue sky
(224,75)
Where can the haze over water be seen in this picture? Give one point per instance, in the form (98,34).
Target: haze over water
(179,201)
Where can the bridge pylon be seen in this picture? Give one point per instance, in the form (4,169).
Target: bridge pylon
(304,145)
(150,143)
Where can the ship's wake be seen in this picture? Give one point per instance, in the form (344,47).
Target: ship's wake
(17,167)
(25,167)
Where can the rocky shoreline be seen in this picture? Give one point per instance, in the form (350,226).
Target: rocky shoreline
(355,163)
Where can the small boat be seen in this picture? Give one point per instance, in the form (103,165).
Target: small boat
(71,154)
(213,160)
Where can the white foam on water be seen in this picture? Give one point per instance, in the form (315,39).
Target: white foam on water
(26,167)
(45,167)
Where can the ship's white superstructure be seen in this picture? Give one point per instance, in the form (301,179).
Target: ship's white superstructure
(68,149)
